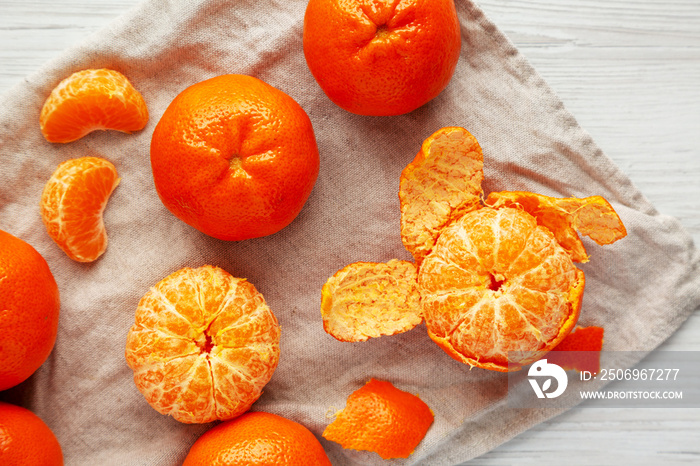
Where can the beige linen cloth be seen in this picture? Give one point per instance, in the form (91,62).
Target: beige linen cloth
(639,289)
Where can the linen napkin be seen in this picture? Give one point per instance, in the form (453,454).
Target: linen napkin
(639,289)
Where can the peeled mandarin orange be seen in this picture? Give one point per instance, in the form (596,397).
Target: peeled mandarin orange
(381,57)
(29,310)
(497,287)
(203,345)
(234,157)
(591,216)
(72,205)
(368,299)
(381,418)
(26,440)
(497,283)
(257,439)
(92,100)
(442,183)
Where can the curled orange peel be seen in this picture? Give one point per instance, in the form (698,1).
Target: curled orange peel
(381,418)
(442,183)
(370,299)
(590,216)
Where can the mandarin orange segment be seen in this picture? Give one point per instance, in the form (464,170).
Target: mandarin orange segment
(203,345)
(442,183)
(72,204)
(497,287)
(369,299)
(381,418)
(92,100)
(591,216)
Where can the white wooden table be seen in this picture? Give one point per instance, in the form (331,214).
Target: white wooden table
(629,70)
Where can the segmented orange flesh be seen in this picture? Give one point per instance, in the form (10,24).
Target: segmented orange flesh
(369,299)
(497,288)
(442,183)
(72,205)
(92,100)
(591,216)
(203,345)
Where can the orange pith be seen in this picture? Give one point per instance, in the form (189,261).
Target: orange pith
(92,100)
(72,204)
(381,418)
(257,439)
(498,287)
(29,310)
(591,216)
(442,183)
(26,440)
(367,299)
(203,346)
(381,57)
(234,157)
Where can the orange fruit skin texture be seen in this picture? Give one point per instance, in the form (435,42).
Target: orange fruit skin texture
(29,309)
(257,439)
(381,418)
(580,350)
(25,440)
(498,288)
(381,57)
(72,205)
(234,157)
(92,100)
(203,345)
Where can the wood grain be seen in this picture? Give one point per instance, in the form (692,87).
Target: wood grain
(630,73)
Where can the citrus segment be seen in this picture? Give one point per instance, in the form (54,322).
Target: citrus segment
(580,350)
(26,440)
(29,311)
(381,57)
(92,100)
(368,299)
(591,216)
(381,418)
(442,183)
(72,204)
(203,345)
(497,287)
(234,157)
(257,439)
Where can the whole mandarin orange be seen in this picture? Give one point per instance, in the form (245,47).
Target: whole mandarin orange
(234,157)
(29,308)
(381,57)
(25,440)
(257,438)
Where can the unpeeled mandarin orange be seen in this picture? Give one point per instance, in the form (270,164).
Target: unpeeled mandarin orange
(383,57)
(26,440)
(257,439)
(29,310)
(234,157)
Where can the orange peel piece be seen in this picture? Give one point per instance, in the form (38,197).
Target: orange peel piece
(92,100)
(580,350)
(369,299)
(442,183)
(72,204)
(381,418)
(591,216)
